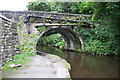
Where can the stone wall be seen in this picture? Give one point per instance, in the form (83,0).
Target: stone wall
(9,44)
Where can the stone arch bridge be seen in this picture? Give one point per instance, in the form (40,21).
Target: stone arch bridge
(62,23)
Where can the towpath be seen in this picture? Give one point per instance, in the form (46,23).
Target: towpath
(45,66)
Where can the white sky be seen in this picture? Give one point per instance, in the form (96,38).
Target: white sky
(14,5)
(20,5)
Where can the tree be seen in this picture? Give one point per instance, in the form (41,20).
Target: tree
(108,14)
(63,7)
(85,8)
(104,38)
(38,6)
(67,7)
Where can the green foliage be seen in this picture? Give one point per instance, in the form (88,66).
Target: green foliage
(18,59)
(52,40)
(108,14)
(18,24)
(104,38)
(41,29)
(62,7)
(32,19)
(53,6)
(96,46)
(98,40)
(85,8)
(66,7)
(26,50)
(38,6)
(42,41)
(61,43)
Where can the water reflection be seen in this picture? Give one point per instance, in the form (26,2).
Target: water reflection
(86,65)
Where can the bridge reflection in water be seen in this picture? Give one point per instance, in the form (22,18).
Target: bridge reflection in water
(86,65)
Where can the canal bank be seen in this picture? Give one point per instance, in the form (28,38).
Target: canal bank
(41,66)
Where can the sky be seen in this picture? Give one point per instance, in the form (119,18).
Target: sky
(14,5)
(19,5)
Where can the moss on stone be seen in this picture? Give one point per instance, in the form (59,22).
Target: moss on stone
(67,65)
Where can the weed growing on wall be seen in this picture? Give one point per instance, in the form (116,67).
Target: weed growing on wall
(27,49)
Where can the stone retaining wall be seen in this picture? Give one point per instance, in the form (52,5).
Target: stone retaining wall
(9,44)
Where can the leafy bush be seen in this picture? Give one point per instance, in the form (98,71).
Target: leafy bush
(96,46)
(41,29)
(39,6)
(98,40)
(85,8)
(52,40)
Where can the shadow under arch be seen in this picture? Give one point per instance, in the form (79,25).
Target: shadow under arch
(71,39)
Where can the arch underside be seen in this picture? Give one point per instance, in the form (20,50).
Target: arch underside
(70,37)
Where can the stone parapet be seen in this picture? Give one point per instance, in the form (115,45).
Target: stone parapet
(22,16)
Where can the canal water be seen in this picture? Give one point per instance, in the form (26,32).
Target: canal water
(86,65)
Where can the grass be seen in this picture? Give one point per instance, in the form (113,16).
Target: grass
(17,59)
(26,46)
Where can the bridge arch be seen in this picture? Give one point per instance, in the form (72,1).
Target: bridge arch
(71,39)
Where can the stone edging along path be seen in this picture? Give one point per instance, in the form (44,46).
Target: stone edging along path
(43,66)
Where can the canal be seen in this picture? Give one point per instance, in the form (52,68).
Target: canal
(86,65)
